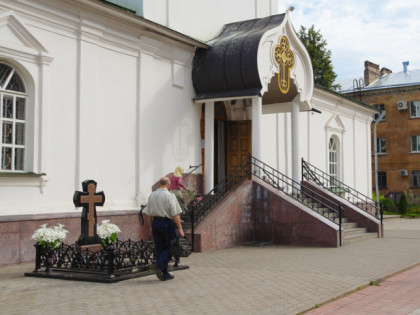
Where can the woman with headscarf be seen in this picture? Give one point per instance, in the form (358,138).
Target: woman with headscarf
(176,184)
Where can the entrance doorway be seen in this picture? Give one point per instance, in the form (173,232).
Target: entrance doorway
(232,142)
(238,143)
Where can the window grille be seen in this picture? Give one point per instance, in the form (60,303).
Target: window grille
(415,109)
(381,145)
(12,120)
(333,159)
(415,178)
(415,144)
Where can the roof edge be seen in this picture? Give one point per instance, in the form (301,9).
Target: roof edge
(130,16)
(346,97)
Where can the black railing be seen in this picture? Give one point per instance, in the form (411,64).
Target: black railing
(192,168)
(121,257)
(211,199)
(251,166)
(363,202)
(325,206)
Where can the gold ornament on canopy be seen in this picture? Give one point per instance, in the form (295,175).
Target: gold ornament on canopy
(285,60)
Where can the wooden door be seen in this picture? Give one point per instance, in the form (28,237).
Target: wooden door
(238,142)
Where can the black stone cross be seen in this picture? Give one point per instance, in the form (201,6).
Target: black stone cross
(88,199)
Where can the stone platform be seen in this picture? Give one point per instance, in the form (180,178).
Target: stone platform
(95,276)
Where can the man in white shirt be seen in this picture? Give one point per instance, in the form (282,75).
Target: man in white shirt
(164,209)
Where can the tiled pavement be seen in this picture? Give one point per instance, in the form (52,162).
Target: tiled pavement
(397,295)
(241,280)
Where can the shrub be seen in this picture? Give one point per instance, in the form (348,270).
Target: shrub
(403,204)
(413,201)
(388,204)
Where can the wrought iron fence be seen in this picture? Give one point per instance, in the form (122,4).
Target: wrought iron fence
(118,258)
(367,204)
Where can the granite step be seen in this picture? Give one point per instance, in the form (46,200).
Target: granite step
(354,231)
(350,239)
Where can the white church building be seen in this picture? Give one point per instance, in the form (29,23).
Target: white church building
(122,94)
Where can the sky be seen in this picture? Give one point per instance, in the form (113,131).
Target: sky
(384,32)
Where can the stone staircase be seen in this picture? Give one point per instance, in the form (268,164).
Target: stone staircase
(352,233)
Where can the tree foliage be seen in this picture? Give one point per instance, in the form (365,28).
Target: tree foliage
(324,74)
(403,204)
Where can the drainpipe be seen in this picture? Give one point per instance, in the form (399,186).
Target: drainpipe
(376,155)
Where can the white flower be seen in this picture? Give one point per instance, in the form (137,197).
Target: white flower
(50,236)
(107,232)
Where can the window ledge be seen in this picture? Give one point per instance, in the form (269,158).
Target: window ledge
(15,179)
(414,152)
(18,174)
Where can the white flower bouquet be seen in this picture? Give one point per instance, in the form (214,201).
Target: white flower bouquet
(108,232)
(50,237)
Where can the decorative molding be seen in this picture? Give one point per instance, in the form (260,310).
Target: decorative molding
(63,215)
(301,73)
(178,74)
(334,124)
(23,180)
(20,43)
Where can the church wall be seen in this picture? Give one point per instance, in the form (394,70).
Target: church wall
(350,149)
(269,148)
(203,19)
(317,144)
(115,128)
(108,102)
(117,109)
(347,122)
(304,134)
(170,122)
(276,145)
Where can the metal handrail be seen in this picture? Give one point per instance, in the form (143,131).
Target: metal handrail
(251,166)
(363,202)
(212,198)
(312,199)
(193,167)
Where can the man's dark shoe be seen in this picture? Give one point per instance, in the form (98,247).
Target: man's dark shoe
(158,272)
(169,277)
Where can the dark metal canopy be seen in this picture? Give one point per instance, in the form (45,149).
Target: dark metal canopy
(229,67)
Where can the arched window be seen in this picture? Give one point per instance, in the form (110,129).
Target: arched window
(333,159)
(12,120)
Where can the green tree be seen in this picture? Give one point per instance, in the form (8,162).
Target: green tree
(324,74)
(403,204)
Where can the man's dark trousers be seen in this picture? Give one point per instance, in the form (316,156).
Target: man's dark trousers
(163,233)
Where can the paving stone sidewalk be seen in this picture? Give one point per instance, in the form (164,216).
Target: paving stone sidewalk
(241,280)
(398,295)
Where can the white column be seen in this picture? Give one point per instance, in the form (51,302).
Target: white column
(296,158)
(209,147)
(256,126)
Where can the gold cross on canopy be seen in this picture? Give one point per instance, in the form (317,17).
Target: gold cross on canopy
(285,61)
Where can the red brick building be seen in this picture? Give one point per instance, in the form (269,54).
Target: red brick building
(398,133)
